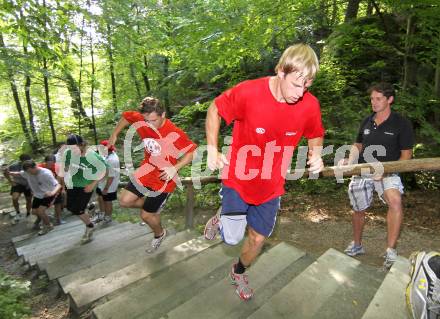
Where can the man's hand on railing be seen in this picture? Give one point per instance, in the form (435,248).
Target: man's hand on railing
(216,160)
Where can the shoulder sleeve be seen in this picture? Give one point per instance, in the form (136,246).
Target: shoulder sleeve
(406,135)
(314,127)
(48,176)
(230,104)
(359,137)
(132,116)
(184,143)
(101,159)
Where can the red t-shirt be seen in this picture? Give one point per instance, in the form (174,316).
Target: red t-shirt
(52,168)
(264,136)
(161,149)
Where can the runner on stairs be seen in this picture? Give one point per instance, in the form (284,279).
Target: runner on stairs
(164,143)
(49,163)
(108,187)
(45,188)
(270,116)
(81,169)
(19,186)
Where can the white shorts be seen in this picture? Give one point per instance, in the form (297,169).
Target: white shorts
(361,190)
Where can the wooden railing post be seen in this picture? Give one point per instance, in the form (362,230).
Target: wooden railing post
(189,207)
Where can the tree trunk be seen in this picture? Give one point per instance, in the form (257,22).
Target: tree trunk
(112,68)
(15,91)
(437,75)
(27,93)
(145,76)
(135,81)
(409,65)
(352,10)
(48,107)
(370,8)
(92,91)
(166,95)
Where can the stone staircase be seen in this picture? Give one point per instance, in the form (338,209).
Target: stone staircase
(114,277)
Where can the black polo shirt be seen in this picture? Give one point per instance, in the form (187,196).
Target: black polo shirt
(395,134)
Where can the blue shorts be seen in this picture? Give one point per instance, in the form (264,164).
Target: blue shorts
(235,211)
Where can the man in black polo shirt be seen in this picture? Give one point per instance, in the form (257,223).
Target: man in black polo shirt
(383,136)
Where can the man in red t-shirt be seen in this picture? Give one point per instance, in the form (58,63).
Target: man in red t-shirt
(270,116)
(167,149)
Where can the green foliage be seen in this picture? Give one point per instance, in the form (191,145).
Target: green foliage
(13,296)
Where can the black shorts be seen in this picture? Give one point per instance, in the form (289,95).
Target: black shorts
(107,198)
(21,189)
(152,204)
(77,200)
(47,202)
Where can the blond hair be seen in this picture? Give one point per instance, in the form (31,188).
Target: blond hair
(299,58)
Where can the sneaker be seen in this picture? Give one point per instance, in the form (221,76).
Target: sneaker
(390,258)
(155,243)
(242,285)
(45,229)
(91,207)
(423,290)
(107,219)
(212,227)
(17,218)
(98,217)
(88,235)
(354,250)
(60,222)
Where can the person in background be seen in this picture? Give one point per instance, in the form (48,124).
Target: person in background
(19,186)
(167,149)
(50,164)
(81,170)
(108,187)
(390,135)
(45,188)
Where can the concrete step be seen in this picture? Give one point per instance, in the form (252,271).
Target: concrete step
(269,265)
(389,301)
(171,287)
(85,255)
(335,286)
(117,260)
(72,242)
(84,295)
(32,236)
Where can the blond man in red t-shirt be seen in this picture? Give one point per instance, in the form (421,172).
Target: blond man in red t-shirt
(166,149)
(270,117)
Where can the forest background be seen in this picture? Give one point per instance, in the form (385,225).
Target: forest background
(73,66)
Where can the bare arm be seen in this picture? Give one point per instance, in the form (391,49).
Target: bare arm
(314,155)
(212,128)
(405,155)
(170,171)
(123,123)
(354,153)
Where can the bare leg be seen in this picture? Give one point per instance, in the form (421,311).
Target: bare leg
(153,220)
(108,206)
(358,222)
(41,212)
(130,200)
(28,204)
(85,218)
(15,196)
(101,204)
(58,208)
(251,247)
(394,216)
